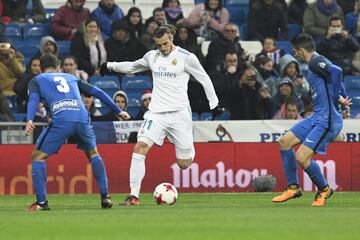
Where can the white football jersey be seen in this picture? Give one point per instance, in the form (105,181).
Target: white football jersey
(171,74)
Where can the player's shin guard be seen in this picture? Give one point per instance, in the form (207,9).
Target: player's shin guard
(290,166)
(39,177)
(99,171)
(316,176)
(137,173)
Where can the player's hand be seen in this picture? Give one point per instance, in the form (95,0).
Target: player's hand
(346,102)
(217,111)
(103,69)
(124,115)
(29,128)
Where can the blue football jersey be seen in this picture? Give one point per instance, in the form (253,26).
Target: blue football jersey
(61,95)
(324,92)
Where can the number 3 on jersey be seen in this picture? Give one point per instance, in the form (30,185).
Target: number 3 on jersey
(63,86)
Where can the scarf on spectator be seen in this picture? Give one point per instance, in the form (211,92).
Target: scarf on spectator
(97,52)
(327,10)
(173,12)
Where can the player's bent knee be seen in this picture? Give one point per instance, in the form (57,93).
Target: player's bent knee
(38,155)
(142,147)
(184,163)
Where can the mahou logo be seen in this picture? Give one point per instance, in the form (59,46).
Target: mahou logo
(216,177)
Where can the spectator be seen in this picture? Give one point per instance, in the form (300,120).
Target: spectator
(21,85)
(158,16)
(290,67)
(352,20)
(289,111)
(48,45)
(346,5)
(22,11)
(70,65)
(120,98)
(173,11)
(317,16)
(296,11)
(228,41)
(338,46)
(90,105)
(248,100)
(145,101)
(208,18)
(226,78)
(134,21)
(121,46)
(88,47)
(105,14)
(5,111)
(185,37)
(147,38)
(68,18)
(272,51)
(3,19)
(265,74)
(285,94)
(267,19)
(11,67)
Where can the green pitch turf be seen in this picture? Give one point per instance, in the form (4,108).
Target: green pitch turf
(194,216)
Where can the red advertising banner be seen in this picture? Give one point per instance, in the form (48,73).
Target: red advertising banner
(218,167)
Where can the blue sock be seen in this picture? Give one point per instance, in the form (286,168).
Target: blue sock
(316,176)
(39,177)
(290,166)
(99,171)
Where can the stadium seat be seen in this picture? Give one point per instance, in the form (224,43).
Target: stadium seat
(36,31)
(195,116)
(293,30)
(205,47)
(133,101)
(49,13)
(133,111)
(105,81)
(238,13)
(352,85)
(136,85)
(20,117)
(13,31)
(206,116)
(12,103)
(285,45)
(64,47)
(243,31)
(28,48)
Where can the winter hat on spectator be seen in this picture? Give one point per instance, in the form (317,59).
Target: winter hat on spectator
(123,94)
(286,80)
(146,94)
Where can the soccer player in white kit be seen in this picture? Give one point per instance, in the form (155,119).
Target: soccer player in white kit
(169,110)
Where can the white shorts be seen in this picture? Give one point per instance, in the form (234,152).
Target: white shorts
(177,126)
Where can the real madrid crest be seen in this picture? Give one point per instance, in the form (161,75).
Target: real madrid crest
(174,61)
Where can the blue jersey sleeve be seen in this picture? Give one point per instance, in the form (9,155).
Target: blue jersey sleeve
(34,98)
(100,94)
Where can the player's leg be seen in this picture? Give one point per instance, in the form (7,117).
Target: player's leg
(86,141)
(151,131)
(48,143)
(286,143)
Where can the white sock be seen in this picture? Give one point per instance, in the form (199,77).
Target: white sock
(137,173)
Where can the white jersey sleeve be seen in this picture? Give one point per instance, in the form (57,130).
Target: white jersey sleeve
(193,67)
(139,65)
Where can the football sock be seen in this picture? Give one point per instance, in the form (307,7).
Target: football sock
(316,176)
(290,166)
(99,171)
(137,173)
(39,177)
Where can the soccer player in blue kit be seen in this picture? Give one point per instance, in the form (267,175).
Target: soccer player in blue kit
(60,93)
(317,131)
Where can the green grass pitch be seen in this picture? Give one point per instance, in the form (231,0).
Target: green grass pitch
(194,216)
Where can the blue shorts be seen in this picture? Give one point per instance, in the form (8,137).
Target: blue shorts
(54,136)
(315,136)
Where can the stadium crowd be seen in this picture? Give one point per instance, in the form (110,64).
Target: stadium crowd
(271,84)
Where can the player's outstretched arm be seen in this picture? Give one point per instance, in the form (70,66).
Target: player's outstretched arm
(34,99)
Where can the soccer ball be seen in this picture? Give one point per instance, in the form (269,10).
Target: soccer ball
(165,194)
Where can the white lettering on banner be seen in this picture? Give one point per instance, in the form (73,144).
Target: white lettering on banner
(211,178)
(330,175)
(124,128)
